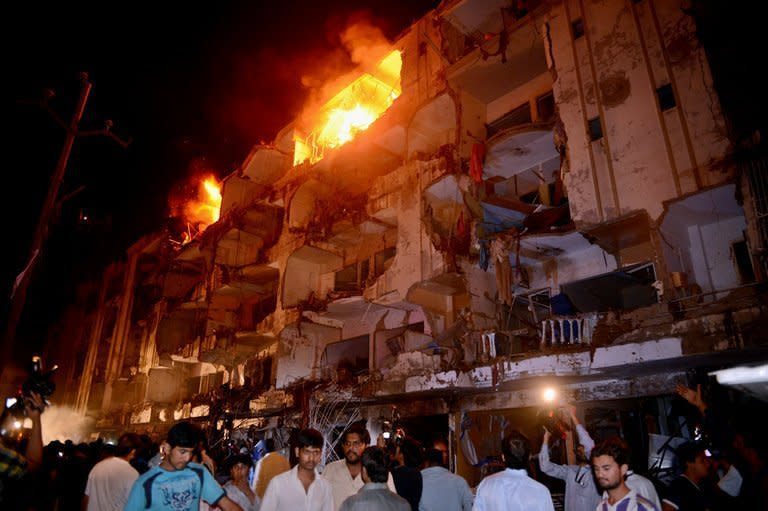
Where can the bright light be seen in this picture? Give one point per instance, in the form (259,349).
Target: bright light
(16,424)
(386,435)
(549,394)
(742,375)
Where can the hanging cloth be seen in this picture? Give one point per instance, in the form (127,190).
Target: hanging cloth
(485,255)
(467,446)
(476,162)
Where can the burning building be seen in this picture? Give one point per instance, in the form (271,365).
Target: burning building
(514,195)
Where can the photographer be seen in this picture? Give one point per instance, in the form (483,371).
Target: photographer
(13,465)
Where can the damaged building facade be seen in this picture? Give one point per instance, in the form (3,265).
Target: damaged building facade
(545,195)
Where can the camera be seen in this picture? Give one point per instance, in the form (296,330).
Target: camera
(39,382)
(551,419)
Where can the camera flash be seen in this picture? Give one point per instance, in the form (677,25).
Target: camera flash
(549,394)
(386,435)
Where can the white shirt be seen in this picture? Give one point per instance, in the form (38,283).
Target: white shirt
(286,493)
(512,490)
(237,496)
(342,484)
(643,487)
(109,484)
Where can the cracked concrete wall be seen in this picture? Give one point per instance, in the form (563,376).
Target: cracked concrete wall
(569,267)
(711,253)
(645,156)
(299,352)
(416,258)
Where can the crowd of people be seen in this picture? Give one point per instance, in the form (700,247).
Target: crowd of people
(137,473)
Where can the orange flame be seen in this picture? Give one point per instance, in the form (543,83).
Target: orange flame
(352,110)
(205,209)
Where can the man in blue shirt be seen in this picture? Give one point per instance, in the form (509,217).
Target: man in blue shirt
(177,484)
(442,490)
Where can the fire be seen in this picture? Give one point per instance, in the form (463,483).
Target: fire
(203,210)
(352,110)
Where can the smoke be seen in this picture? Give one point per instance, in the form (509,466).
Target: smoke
(63,423)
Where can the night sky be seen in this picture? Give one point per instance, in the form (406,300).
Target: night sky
(194,86)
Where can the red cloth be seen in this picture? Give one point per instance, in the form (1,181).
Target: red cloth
(476,162)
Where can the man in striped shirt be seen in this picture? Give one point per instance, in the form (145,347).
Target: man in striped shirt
(610,463)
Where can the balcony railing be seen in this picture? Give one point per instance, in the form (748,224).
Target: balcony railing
(568,330)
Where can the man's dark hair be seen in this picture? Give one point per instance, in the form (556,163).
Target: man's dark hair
(360,430)
(688,452)
(184,434)
(309,438)
(434,456)
(239,458)
(412,452)
(614,447)
(375,461)
(269,444)
(127,443)
(516,449)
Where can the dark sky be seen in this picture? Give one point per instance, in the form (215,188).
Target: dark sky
(191,84)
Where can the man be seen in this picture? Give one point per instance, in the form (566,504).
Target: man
(512,489)
(686,493)
(111,479)
(13,465)
(406,475)
(345,476)
(301,488)
(443,490)
(375,495)
(176,483)
(237,487)
(580,491)
(609,461)
(641,485)
(269,466)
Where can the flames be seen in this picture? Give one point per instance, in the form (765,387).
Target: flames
(351,111)
(199,207)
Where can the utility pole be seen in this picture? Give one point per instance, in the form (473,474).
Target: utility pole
(21,284)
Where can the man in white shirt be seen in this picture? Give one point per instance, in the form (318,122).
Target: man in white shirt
(111,479)
(513,489)
(345,476)
(301,488)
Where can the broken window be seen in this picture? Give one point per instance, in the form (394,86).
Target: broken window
(595,129)
(346,279)
(628,288)
(352,278)
(743,262)
(666,97)
(578,28)
(351,353)
(383,260)
(545,107)
(516,117)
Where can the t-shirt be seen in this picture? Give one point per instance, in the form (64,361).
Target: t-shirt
(179,490)
(109,484)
